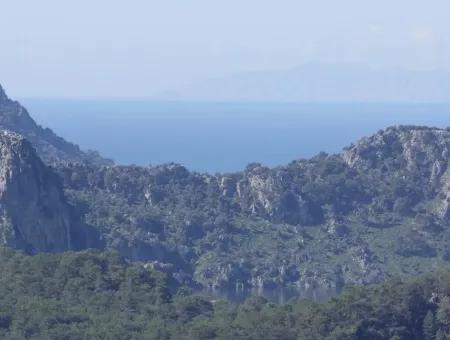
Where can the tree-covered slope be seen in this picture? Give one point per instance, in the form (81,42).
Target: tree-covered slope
(50,147)
(92,295)
(378,209)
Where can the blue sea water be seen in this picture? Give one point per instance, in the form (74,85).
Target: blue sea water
(222,137)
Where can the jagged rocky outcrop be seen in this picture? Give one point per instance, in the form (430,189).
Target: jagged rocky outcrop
(422,152)
(270,194)
(50,147)
(34,215)
(409,146)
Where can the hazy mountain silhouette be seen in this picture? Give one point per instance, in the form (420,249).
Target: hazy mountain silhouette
(323,82)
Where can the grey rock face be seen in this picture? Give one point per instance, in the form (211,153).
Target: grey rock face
(422,150)
(33,214)
(3,96)
(266,193)
(410,146)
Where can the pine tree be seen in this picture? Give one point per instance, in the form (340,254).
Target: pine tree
(429,326)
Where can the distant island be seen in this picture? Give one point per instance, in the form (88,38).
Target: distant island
(320,82)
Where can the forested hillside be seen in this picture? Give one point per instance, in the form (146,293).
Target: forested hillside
(92,295)
(378,209)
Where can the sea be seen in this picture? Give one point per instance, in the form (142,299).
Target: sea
(222,137)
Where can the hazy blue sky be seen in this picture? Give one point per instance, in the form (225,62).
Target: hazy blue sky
(107,48)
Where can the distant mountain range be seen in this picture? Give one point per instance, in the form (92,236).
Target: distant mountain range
(315,82)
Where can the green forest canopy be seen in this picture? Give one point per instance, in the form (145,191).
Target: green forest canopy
(97,295)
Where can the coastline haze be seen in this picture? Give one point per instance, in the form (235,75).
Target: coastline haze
(112,49)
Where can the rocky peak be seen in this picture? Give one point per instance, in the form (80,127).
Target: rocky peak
(3,96)
(416,152)
(33,213)
(410,146)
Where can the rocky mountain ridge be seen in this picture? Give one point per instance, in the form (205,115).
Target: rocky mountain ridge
(380,208)
(313,223)
(50,147)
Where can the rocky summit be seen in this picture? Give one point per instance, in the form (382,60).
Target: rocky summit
(3,96)
(34,215)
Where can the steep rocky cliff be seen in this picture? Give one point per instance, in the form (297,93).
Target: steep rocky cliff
(34,215)
(50,147)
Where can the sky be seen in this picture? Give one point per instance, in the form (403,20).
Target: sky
(141,48)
